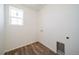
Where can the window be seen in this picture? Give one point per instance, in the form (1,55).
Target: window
(16,16)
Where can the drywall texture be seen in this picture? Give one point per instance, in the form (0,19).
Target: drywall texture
(57,22)
(1,29)
(17,36)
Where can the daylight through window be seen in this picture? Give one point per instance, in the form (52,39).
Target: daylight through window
(16,16)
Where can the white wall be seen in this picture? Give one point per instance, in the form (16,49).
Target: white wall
(1,29)
(17,36)
(57,22)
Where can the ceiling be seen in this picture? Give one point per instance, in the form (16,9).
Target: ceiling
(36,7)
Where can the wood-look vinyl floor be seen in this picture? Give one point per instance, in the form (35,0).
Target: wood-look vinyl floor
(31,49)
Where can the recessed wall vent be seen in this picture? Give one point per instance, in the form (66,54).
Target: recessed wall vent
(60,48)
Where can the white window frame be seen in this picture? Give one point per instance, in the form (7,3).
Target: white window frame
(18,20)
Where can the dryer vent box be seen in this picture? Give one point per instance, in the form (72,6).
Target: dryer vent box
(60,48)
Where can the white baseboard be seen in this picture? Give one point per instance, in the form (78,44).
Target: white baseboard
(31,43)
(49,47)
(20,46)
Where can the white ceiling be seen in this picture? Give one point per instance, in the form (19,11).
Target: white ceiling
(34,6)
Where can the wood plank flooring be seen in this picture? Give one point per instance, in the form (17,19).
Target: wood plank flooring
(32,49)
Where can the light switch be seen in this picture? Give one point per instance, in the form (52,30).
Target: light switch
(41,30)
